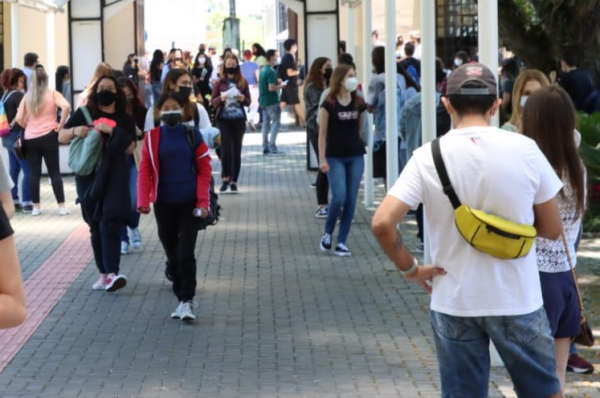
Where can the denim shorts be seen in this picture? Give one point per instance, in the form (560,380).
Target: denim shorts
(561,303)
(524,343)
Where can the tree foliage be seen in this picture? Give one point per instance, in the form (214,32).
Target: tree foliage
(539,31)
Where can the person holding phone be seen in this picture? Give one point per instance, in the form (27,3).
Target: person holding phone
(268,98)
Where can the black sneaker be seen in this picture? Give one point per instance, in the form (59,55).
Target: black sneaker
(19,207)
(224,186)
(266,152)
(234,188)
(342,251)
(27,208)
(325,242)
(313,185)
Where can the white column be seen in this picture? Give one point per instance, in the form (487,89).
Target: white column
(488,38)
(428,103)
(14,36)
(391,100)
(367,24)
(50,61)
(350,42)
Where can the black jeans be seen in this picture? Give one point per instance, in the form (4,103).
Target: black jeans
(232,137)
(45,147)
(419,215)
(322,181)
(104,235)
(178,231)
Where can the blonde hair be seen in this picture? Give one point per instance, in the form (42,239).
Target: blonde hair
(34,98)
(523,78)
(103,69)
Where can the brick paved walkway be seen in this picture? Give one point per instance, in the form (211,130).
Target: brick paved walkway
(277,318)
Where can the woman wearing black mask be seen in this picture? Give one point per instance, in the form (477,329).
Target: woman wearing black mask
(316,82)
(180,81)
(104,195)
(180,193)
(138,111)
(230,96)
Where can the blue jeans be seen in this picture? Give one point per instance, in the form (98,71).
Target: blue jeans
(15,167)
(344,180)
(135,215)
(271,119)
(156,91)
(524,343)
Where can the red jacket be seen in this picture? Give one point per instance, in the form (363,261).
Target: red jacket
(149,171)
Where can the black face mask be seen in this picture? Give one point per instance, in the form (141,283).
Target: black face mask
(328,73)
(171,119)
(105,97)
(184,93)
(231,71)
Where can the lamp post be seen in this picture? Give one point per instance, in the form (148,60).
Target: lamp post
(231,28)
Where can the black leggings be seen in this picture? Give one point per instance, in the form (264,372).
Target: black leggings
(322,181)
(232,137)
(45,147)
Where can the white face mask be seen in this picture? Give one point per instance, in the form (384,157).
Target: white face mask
(524,99)
(351,84)
(458,62)
(202,60)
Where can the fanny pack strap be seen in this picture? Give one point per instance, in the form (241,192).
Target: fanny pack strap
(443,174)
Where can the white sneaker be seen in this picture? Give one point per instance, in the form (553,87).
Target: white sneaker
(63,211)
(135,237)
(115,282)
(187,311)
(124,248)
(36,212)
(100,283)
(177,313)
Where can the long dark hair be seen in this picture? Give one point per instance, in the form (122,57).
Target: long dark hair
(410,82)
(121,105)
(158,58)
(190,109)
(61,72)
(315,76)
(549,118)
(378,59)
(207,63)
(126,82)
(260,51)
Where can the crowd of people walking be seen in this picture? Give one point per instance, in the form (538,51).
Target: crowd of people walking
(154,155)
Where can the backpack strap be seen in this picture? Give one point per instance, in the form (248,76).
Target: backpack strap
(6,96)
(86,114)
(190,134)
(443,173)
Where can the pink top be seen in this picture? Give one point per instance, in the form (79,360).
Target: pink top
(45,122)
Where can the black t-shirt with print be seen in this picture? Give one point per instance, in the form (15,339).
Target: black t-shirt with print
(5,228)
(343,129)
(124,121)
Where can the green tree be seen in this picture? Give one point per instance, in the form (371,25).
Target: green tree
(539,31)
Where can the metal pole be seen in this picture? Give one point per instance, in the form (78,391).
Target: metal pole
(50,62)
(14,33)
(350,42)
(391,78)
(367,24)
(428,103)
(488,39)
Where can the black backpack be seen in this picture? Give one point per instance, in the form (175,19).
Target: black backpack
(214,210)
(443,120)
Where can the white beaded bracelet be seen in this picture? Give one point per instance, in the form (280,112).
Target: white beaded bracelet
(411,270)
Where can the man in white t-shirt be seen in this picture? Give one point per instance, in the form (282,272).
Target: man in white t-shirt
(475,297)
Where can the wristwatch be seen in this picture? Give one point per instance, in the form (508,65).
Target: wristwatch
(411,270)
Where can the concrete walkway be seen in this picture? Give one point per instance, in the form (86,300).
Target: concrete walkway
(277,317)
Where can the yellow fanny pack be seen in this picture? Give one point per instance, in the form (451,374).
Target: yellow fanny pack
(488,233)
